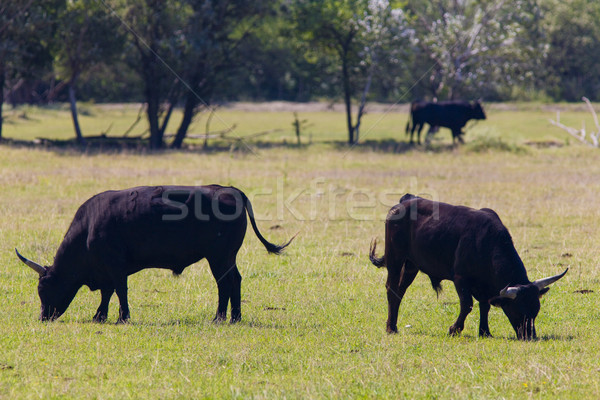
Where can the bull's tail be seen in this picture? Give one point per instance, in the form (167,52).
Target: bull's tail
(271,248)
(436,284)
(379,262)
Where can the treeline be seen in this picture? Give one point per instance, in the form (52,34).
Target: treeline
(194,53)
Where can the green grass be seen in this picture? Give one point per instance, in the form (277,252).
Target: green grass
(314,318)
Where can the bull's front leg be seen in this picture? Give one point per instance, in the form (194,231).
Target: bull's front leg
(466,305)
(484,309)
(102,312)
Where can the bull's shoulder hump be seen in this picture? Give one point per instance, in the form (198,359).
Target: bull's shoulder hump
(490,212)
(407,197)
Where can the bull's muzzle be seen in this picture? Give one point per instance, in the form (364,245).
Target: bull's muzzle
(527,330)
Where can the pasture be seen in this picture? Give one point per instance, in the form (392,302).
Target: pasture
(313,318)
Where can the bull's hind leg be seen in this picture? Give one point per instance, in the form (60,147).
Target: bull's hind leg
(236,296)
(121,290)
(412,131)
(102,312)
(466,305)
(421,125)
(225,276)
(430,132)
(399,279)
(457,134)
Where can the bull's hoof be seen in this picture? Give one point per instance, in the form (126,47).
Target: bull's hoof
(218,319)
(485,334)
(122,321)
(99,318)
(235,319)
(392,329)
(454,330)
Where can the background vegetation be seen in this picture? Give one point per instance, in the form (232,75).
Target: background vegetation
(196,53)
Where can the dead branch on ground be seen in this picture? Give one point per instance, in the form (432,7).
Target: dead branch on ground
(581,134)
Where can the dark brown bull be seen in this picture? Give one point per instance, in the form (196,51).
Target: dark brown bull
(453,115)
(118,233)
(469,247)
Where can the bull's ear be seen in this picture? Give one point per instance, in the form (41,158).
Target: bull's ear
(543,291)
(499,301)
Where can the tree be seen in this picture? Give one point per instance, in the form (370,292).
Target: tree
(574,50)
(26,28)
(473,46)
(360,37)
(384,35)
(87,38)
(214,32)
(156,41)
(332,26)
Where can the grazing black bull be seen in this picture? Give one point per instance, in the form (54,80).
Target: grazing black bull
(448,114)
(470,247)
(118,233)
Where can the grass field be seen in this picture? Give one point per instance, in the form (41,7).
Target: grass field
(314,318)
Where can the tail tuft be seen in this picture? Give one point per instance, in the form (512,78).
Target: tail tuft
(437,285)
(277,249)
(379,262)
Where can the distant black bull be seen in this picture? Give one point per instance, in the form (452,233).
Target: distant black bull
(470,247)
(448,114)
(118,233)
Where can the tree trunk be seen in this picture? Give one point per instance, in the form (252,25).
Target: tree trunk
(151,92)
(2,79)
(165,122)
(347,97)
(73,103)
(363,102)
(156,139)
(191,102)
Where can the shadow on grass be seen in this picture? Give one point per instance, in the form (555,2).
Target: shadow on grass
(392,146)
(115,144)
(512,338)
(189,321)
(135,145)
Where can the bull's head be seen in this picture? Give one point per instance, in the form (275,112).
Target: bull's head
(478,112)
(521,304)
(55,299)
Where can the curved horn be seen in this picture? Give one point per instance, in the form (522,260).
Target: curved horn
(34,266)
(509,292)
(542,283)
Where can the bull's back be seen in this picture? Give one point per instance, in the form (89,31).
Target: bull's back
(432,234)
(165,226)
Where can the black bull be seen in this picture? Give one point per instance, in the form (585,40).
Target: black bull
(448,114)
(118,233)
(469,247)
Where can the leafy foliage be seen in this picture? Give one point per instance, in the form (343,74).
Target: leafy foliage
(193,53)
(475,47)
